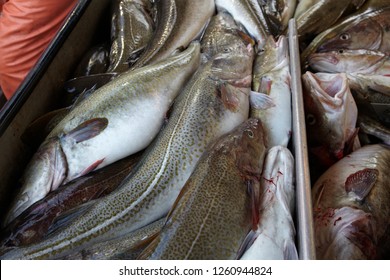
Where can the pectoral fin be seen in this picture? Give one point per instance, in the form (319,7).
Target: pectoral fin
(88,129)
(361,182)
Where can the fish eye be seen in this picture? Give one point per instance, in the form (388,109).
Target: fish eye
(340,51)
(250,133)
(344,36)
(311,120)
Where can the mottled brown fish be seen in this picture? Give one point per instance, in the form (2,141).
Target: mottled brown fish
(219,204)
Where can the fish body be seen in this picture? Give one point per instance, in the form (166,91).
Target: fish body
(351,203)
(213,102)
(323,14)
(182,22)
(275,234)
(34,223)
(250,15)
(351,61)
(131,29)
(271,76)
(119,119)
(212,214)
(331,115)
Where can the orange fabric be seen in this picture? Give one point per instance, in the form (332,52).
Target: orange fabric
(26,29)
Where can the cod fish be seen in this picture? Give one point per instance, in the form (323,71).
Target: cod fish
(279,13)
(219,203)
(323,14)
(275,234)
(127,247)
(351,61)
(351,205)
(178,23)
(40,218)
(366,29)
(131,30)
(331,115)
(213,102)
(250,15)
(222,35)
(119,119)
(271,80)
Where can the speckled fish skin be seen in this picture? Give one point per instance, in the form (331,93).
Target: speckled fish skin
(131,30)
(351,61)
(119,119)
(200,114)
(34,223)
(212,214)
(275,235)
(249,14)
(271,76)
(222,35)
(351,205)
(331,114)
(126,247)
(184,21)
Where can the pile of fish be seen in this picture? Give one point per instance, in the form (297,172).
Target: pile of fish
(174,141)
(346,92)
(175,144)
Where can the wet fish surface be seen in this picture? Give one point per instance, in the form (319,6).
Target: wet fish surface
(119,119)
(351,206)
(219,203)
(213,102)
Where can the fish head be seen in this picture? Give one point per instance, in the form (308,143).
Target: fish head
(366,34)
(234,65)
(331,113)
(346,61)
(272,57)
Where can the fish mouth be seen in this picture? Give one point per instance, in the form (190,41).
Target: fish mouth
(329,88)
(320,61)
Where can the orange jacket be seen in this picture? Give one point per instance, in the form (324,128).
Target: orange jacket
(26,29)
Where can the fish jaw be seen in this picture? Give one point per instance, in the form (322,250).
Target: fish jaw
(350,61)
(331,112)
(45,172)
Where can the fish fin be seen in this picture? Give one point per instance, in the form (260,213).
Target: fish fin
(247,243)
(65,218)
(290,250)
(151,244)
(36,132)
(88,129)
(229,97)
(92,167)
(83,95)
(361,182)
(265,85)
(254,194)
(260,100)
